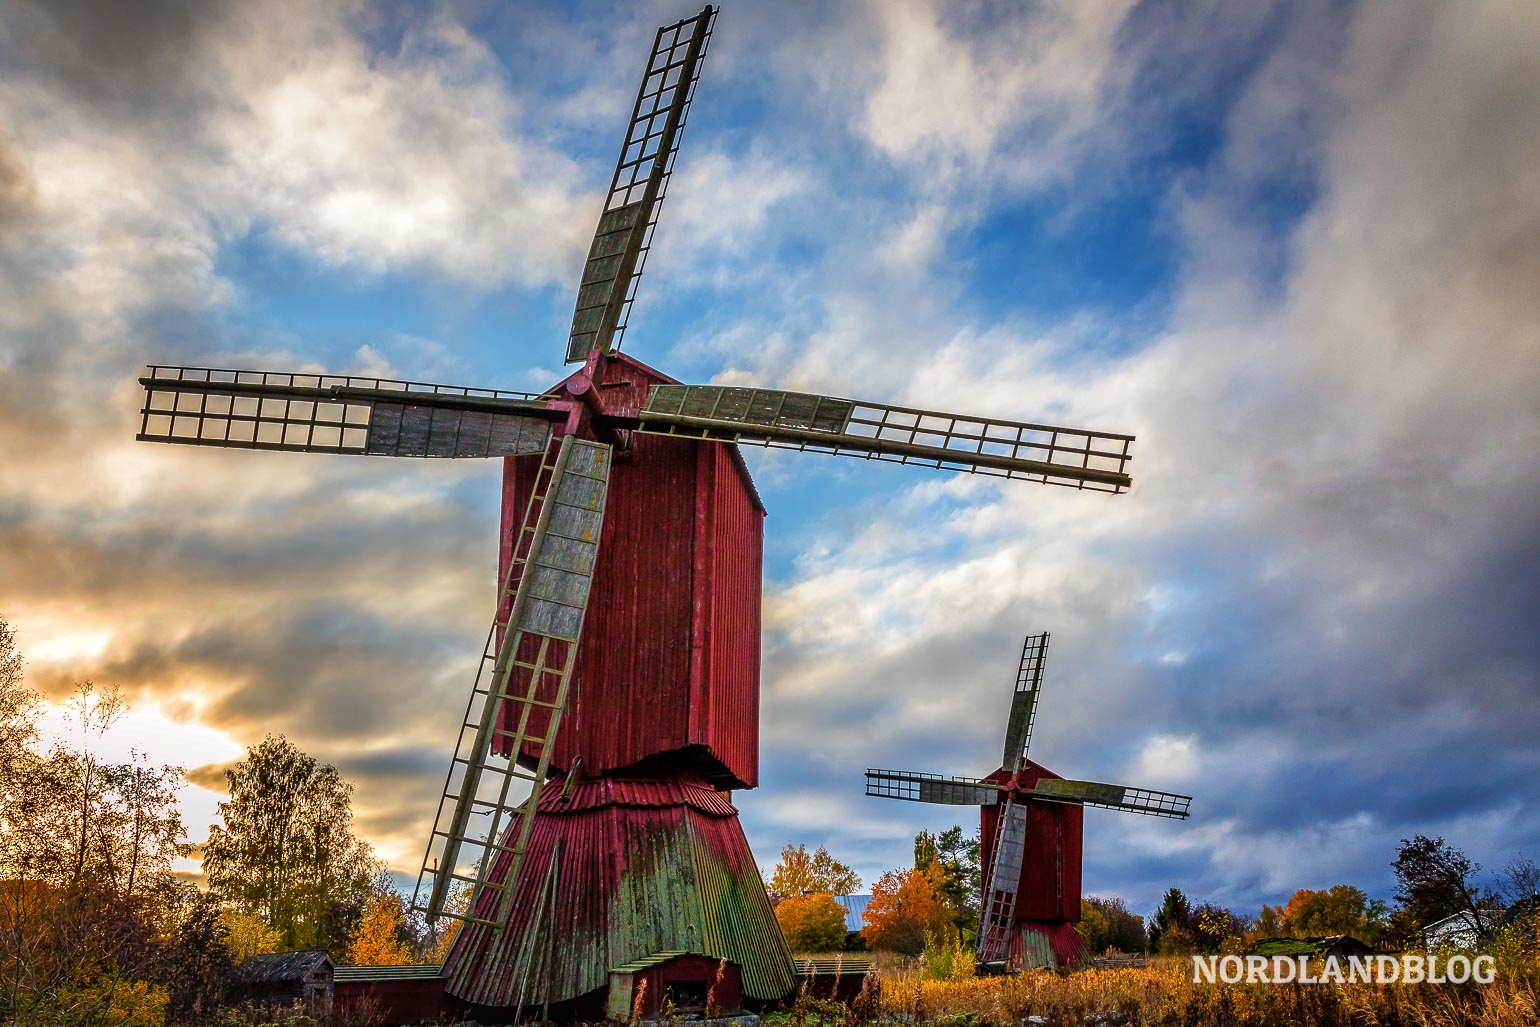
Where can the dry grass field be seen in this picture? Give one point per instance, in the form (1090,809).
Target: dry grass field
(1164,993)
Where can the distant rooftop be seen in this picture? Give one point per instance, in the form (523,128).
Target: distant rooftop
(854,905)
(280,966)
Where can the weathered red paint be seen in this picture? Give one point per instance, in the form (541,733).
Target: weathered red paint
(642,866)
(670,647)
(1049,898)
(409,1000)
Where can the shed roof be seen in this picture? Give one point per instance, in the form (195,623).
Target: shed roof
(838,965)
(403,972)
(281,966)
(659,958)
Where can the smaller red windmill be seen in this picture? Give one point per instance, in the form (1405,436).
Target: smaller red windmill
(1030,823)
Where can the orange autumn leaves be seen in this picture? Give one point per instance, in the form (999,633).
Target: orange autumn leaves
(906,906)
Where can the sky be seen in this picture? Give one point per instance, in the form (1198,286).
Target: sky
(1293,248)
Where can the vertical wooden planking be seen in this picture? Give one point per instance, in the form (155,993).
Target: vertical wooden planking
(735,598)
(670,649)
(1050,871)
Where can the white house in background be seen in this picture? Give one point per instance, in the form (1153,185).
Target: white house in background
(1458,930)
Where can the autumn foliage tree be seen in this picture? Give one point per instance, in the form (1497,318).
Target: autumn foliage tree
(1340,909)
(906,905)
(800,871)
(85,851)
(811,923)
(380,938)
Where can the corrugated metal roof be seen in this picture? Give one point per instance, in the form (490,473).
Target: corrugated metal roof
(855,905)
(631,880)
(592,793)
(833,966)
(406,972)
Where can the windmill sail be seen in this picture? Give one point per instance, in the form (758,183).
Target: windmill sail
(317,413)
(874,431)
(1018,726)
(476,839)
(1002,883)
(1133,800)
(950,791)
(638,186)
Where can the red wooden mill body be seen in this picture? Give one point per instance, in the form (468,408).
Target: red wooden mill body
(1048,904)
(670,647)
(637,849)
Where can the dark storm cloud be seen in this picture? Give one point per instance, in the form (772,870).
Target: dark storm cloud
(125,59)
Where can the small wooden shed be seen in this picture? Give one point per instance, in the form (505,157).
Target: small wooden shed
(390,994)
(689,980)
(287,979)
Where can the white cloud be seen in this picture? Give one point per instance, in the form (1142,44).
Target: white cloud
(1170,759)
(1013,100)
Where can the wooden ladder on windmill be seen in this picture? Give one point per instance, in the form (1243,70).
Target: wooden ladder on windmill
(479,837)
(999,910)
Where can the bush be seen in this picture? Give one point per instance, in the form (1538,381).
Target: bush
(946,959)
(1177,940)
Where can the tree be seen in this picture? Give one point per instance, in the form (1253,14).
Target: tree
(91,921)
(1270,922)
(69,818)
(93,713)
(799,872)
(1175,911)
(25,817)
(18,708)
(1108,924)
(286,850)
(248,934)
(1519,881)
(906,906)
(1212,925)
(1437,880)
(436,939)
(380,938)
(958,860)
(1340,909)
(197,964)
(811,923)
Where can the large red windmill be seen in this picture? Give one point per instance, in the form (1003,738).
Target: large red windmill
(587,806)
(1030,824)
